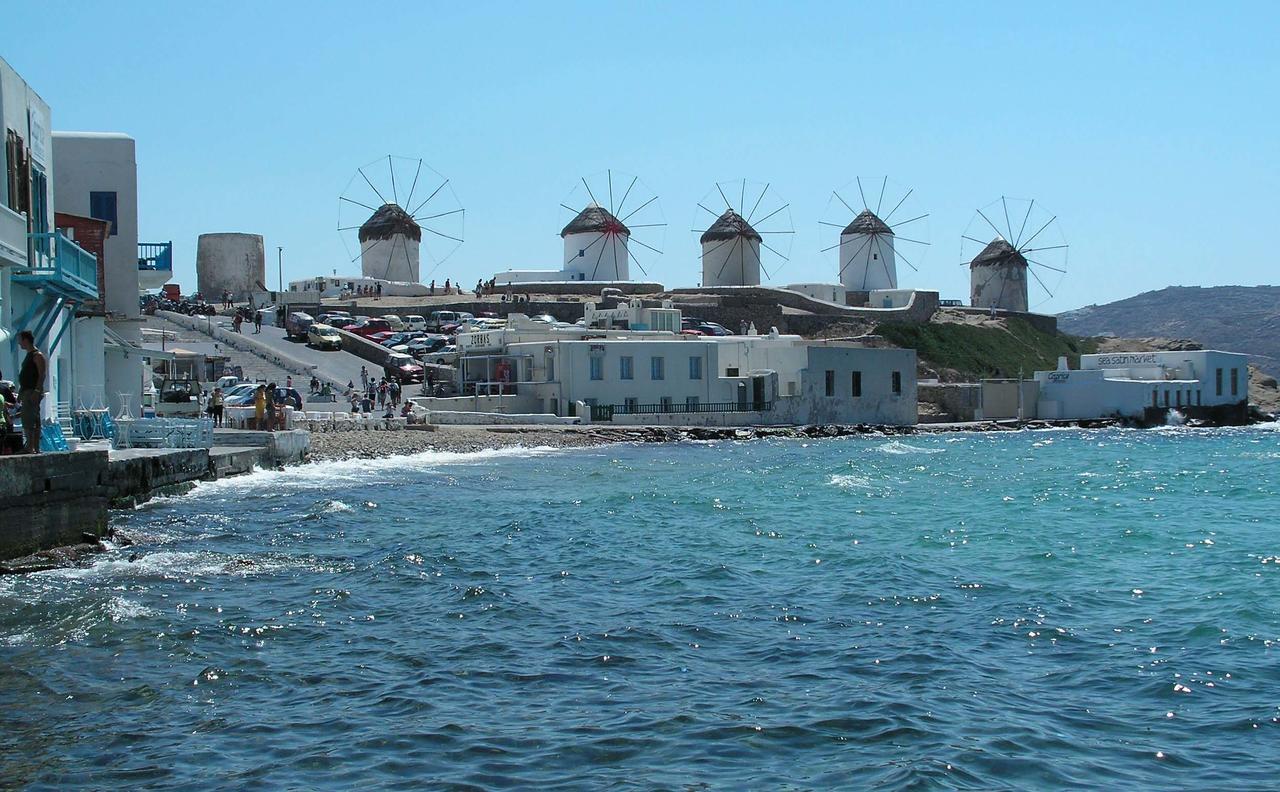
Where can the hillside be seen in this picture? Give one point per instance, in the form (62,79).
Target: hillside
(1232,318)
(966,349)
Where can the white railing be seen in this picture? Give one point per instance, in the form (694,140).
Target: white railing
(13,238)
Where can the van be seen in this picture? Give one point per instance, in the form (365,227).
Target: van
(297,324)
(415,322)
(441,318)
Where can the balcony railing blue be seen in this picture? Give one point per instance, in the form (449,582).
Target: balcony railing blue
(57,263)
(155,256)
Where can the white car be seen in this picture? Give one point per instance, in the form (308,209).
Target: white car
(415,322)
(395,321)
(446,356)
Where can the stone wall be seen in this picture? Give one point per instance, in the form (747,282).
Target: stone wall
(50,500)
(960,402)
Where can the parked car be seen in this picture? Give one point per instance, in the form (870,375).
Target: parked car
(445,356)
(378,338)
(395,321)
(296,325)
(178,399)
(403,368)
(226,382)
(398,338)
(239,395)
(367,327)
(335,318)
(322,336)
(439,319)
(426,344)
(713,329)
(415,322)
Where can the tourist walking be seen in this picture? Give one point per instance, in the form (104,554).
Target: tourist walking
(31,379)
(236,321)
(257,322)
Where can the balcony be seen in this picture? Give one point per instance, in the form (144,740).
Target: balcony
(13,238)
(155,264)
(59,265)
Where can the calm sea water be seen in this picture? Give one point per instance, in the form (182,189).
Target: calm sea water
(1030,610)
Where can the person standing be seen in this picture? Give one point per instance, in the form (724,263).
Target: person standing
(364,378)
(215,406)
(433,287)
(257,322)
(260,407)
(31,379)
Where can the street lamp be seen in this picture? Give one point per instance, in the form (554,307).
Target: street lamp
(280,269)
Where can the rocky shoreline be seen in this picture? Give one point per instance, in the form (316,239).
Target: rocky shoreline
(460,439)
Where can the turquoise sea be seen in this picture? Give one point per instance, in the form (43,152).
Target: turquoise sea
(1031,610)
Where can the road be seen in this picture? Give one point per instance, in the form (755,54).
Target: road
(338,366)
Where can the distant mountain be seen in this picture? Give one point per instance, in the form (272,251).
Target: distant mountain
(1231,318)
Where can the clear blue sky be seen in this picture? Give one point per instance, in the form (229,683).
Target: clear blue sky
(1151,129)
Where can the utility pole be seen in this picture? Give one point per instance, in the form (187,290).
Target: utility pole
(280,269)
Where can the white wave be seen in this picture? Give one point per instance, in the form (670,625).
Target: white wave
(899,447)
(329,474)
(850,481)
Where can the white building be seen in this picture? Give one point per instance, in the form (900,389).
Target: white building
(998,278)
(867,258)
(730,252)
(389,245)
(96,175)
(1128,384)
(662,377)
(595,249)
(327,286)
(44,276)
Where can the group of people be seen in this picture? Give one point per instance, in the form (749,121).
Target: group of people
(449,288)
(243,315)
(381,393)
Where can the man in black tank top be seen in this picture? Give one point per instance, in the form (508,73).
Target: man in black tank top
(31,379)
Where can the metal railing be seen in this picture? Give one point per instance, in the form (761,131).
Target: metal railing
(155,256)
(70,265)
(605,412)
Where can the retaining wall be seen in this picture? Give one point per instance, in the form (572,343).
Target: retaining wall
(49,500)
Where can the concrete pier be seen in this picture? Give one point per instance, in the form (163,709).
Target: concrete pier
(52,500)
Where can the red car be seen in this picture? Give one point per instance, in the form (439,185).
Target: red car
(367,327)
(403,368)
(378,338)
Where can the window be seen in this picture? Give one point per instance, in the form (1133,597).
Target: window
(40,207)
(831,383)
(665,404)
(630,404)
(626,367)
(551,369)
(695,368)
(1235,382)
(731,372)
(857,384)
(1197,397)
(1219,381)
(1166,398)
(102,205)
(691,403)
(597,368)
(1155,395)
(657,368)
(897,383)
(1179,395)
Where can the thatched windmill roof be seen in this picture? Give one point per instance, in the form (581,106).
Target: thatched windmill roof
(595,219)
(998,254)
(729,225)
(867,223)
(388,221)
